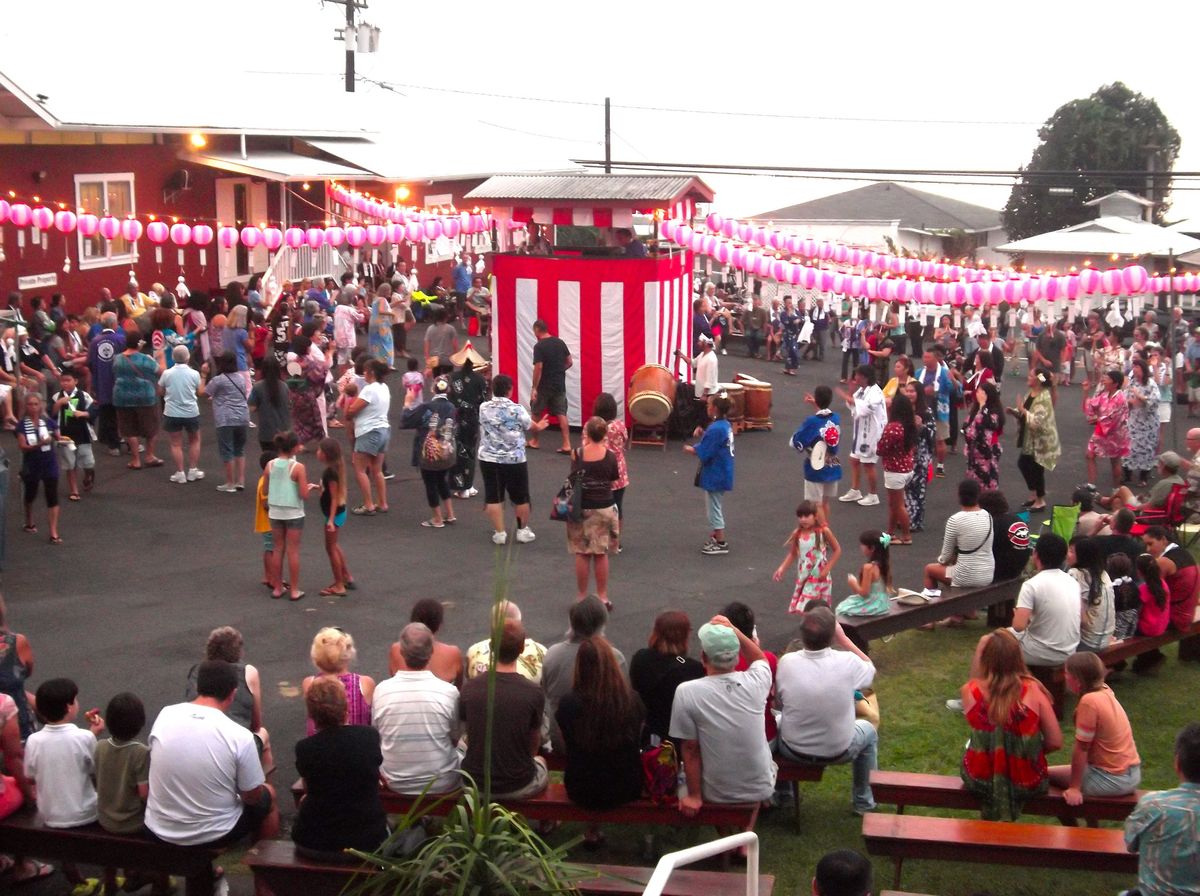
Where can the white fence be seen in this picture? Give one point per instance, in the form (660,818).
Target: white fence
(305,263)
(672,860)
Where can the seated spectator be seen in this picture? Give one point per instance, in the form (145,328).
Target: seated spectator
(518,772)
(1120,539)
(1169,464)
(226,644)
(60,758)
(1013,727)
(207,785)
(447,660)
(1011,548)
(529,663)
(600,722)
(1181,576)
(1162,829)
(1127,601)
(416,714)
(1104,761)
(742,618)
(719,717)
(1099,619)
(341,808)
(815,692)
(966,558)
(656,671)
(587,618)
(1155,599)
(843,872)
(15,789)
(1090,521)
(332,652)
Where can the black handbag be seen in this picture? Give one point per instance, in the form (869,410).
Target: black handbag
(568,503)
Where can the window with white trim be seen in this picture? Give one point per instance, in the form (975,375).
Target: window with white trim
(100,195)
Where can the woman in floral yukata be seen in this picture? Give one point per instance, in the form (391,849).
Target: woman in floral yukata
(1108,412)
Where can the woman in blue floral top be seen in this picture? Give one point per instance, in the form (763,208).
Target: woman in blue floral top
(502,466)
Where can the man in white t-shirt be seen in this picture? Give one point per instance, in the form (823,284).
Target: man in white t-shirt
(869,412)
(705,365)
(814,689)
(206,781)
(719,717)
(1047,618)
(369,411)
(416,715)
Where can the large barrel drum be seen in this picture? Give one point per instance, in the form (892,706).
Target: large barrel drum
(737,398)
(758,400)
(651,395)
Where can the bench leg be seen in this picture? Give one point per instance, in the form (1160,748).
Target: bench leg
(899,864)
(796,803)
(200,884)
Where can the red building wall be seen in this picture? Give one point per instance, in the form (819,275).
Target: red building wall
(152,166)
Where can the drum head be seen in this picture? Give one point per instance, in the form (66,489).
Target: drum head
(649,408)
(817,458)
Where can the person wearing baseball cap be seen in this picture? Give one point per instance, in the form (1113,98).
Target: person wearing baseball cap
(721,715)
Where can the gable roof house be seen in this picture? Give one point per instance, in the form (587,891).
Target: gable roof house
(897,217)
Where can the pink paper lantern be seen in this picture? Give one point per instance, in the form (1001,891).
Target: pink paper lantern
(64,222)
(395,232)
(376,234)
(414,231)
(868,259)
(335,235)
(763,267)
(793,273)
(181,234)
(1111,282)
(775,240)
(480,222)
(1073,287)
(433,229)
(395,215)
(1089,280)
(778,272)
(88,224)
(926,269)
(887,290)
(714,222)
(358,203)
(738,257)
(293,237)
(745,232)
(1050,288)
(954,272)
(315,237)
(156,231)
(1029,289)
(723,252)
(110,227)
(667,229)
(5,210)
(825,281)
(1136,279)
(792,245)
(840,255)
(940,293)
(839,284)
(750,261)
(1190,282)
(995,292)
(904,289)
(355,236)
(856,257)
(202,234)
(857,286)
(729,228)
(696,243)
(227,237)
(873,288)
(808,247)
(251,237)
(452,227)
(272,238)
(21,214)
(825,251)
(131,229)
(42,217)
(709,245)
(683,235)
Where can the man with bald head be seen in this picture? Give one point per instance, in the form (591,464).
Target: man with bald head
(416,715)
(1189,463)
(529,663)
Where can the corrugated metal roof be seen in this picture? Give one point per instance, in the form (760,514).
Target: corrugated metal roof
(630,188)
(275,165)
(1105,236)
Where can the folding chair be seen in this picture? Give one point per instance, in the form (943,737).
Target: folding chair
(1171,514)
(1063,518)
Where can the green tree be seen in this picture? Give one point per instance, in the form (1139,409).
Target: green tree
(1114,129)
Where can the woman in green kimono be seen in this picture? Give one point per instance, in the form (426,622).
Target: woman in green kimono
(1038,437)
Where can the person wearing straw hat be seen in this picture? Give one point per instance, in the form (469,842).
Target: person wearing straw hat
(468,390)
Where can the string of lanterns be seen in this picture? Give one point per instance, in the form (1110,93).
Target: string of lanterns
(933,282)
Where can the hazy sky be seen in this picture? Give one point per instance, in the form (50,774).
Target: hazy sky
(961,65)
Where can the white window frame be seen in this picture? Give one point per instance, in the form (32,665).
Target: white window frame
(107,260)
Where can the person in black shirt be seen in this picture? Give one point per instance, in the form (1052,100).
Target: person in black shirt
(1011,550)
(73,407)
(551,361)
(656,671)
(340,766)
(593,537)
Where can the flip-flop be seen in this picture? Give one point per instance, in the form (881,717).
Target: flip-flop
(296,596)
(533,447)
(54,539)
(157,462)
(562,450)
(32,530)
(40,870)
(450,520)
(382,509)
(363,510)
(331,592)
(72,497)
(275,596)
(430,524)
(351,585)
(135,466)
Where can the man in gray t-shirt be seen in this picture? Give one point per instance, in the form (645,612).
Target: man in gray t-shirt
(719,717)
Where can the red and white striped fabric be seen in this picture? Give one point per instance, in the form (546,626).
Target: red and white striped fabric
(577,217)
(614,315)
(683,210)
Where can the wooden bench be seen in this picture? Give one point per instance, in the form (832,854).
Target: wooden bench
(902,789)
(793,773)
(1117,651)
(24,834)
(554,805)
(276,866)
(953,602)
(995,843)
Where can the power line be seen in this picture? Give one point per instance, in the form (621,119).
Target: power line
(950,172)
(731,113)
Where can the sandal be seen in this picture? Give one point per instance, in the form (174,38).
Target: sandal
(332,592)
(430,524)
(157,462)
(351,585)
(54,539)
(363,510)
(296,596)
(135,466)
(32,530)
(72,497)
(450,520)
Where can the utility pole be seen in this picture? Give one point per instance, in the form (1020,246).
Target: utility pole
(608,135)
(350,46)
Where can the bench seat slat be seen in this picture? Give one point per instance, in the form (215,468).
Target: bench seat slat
(997,842)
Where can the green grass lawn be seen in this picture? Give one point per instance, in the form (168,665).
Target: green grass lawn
(917,672)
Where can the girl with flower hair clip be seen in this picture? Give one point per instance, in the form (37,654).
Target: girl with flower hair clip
(873,584)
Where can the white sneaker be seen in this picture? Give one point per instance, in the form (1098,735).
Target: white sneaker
(852,495)
(179,477)
(193,474)
(470,493)
(931,593)
(525,535)
(228,489)
(954,705)
(868,500)
(499,538)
